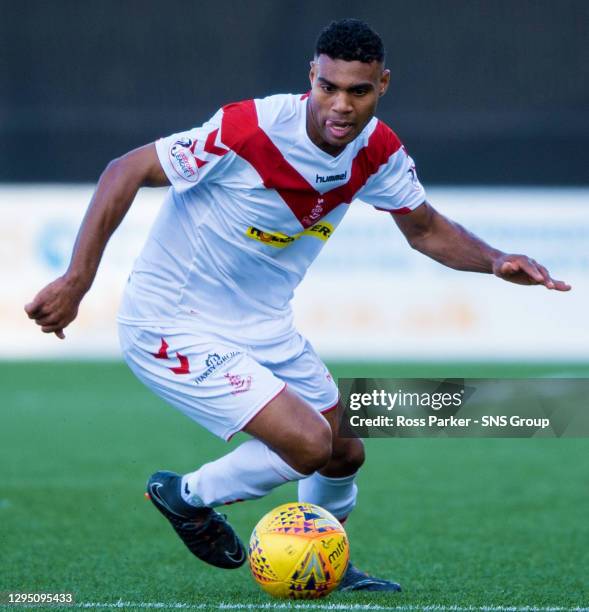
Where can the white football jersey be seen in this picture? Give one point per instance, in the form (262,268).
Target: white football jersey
(251,205)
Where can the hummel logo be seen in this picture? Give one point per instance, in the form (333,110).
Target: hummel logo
(331,178)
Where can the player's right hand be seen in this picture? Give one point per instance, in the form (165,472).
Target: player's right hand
(55,306)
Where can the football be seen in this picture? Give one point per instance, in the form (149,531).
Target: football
(298,551)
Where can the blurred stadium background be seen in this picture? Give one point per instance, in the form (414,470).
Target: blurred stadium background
(486,96)
(490,98)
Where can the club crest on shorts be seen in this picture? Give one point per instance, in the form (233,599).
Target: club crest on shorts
(240,384)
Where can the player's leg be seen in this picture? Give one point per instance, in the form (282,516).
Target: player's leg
(290,442)
(332,486)
(335,483)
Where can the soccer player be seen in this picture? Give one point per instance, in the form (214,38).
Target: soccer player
(206,321)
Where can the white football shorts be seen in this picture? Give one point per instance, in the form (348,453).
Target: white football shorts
(220,383)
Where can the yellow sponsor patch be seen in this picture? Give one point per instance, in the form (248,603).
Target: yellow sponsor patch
(321,230)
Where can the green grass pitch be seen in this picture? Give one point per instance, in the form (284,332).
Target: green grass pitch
(459,522)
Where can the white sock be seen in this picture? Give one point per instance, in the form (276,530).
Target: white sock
(251,470)
(336,495)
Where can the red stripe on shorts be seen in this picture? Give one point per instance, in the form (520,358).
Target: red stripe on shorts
(330,408)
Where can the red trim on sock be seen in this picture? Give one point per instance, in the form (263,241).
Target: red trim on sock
(258,411)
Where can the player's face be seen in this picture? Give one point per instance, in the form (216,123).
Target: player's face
(343,100)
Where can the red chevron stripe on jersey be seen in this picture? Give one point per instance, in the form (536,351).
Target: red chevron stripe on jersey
(242,134)
(211,147)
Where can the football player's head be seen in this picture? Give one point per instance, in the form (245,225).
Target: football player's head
(347,79)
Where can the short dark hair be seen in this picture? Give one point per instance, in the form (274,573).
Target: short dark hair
(350,40)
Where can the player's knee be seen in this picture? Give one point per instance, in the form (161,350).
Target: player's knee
(314,450)
(348,454)
(354,455)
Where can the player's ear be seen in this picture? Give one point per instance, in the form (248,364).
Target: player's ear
(385,79)
(312,71)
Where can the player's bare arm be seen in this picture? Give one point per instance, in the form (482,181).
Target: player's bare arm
(451,244)
(56,305)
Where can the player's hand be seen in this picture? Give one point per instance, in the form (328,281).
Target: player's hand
(525,271)
(56,306)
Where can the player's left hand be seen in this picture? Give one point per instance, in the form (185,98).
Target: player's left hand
(523,270)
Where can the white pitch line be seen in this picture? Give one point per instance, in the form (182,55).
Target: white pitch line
(318,606)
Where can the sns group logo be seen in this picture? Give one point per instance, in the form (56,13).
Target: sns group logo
(183,160)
